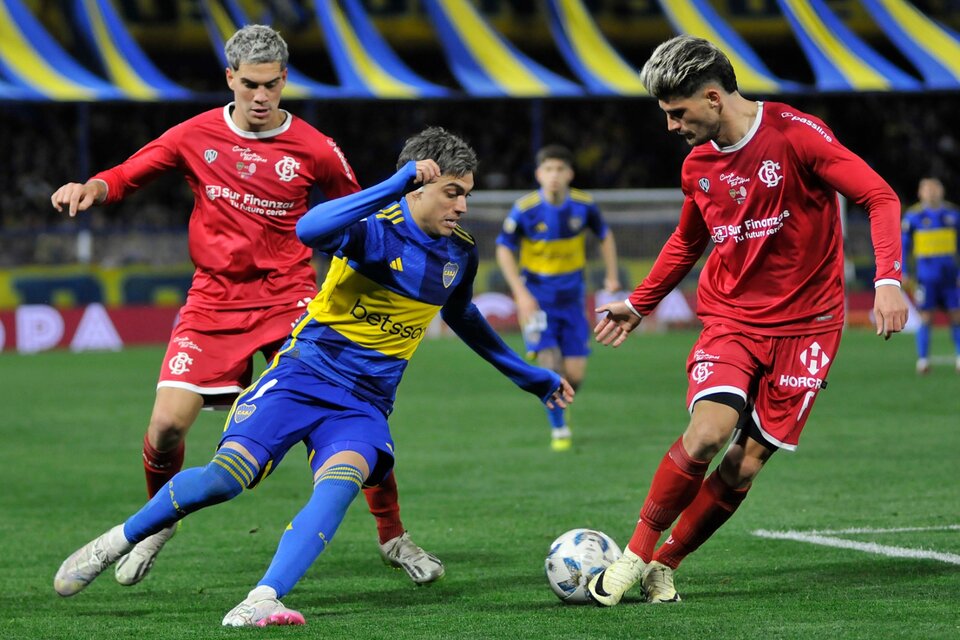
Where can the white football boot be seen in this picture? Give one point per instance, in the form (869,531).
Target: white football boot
(261,608)
(134,567)
(608,586)
(89,561)
(658,584)
(401,552)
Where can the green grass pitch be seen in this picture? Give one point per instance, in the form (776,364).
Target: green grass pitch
(481,488)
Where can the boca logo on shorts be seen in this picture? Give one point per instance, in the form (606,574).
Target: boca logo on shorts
(450,271)
(243,411)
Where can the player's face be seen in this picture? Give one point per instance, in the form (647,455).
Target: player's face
(554,175)
(696,118)
(438,206)
(930,191)
(256,92)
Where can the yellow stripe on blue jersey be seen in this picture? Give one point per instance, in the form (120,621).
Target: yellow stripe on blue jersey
(579,195)
(369,315)
(928,243)
(528,201)
(393,213)
(551,241)
(553,257)
(463,235)
(386,283)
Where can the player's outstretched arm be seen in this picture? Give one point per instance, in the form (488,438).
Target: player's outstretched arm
(321,227)
(79,197)
(471,327)
(617,324)
(889,310)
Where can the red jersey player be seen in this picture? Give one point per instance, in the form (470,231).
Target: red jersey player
(761,182)
(251,166)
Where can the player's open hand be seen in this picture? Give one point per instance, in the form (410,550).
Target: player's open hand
(562,397)
(616,325)
(889,310)
(78,197)
(427,171)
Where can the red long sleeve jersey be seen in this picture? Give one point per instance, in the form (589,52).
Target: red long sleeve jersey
(249,190)
(769,203)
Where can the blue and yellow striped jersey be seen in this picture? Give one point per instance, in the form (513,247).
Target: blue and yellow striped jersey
(932,236)
(552,243)
(387,282)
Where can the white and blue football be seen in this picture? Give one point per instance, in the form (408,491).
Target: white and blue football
(574,558)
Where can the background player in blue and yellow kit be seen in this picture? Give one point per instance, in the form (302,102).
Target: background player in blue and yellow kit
(931,233)
(399,258)
(547,227)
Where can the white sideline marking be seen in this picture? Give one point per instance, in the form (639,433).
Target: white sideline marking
(822,538)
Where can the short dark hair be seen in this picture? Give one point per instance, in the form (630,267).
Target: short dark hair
(681,66)
(451,152)
(555,152)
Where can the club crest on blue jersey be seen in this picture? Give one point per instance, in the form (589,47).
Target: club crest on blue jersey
(575,223)
(450,271)
(243,411)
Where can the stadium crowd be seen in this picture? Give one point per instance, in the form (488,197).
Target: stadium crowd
(618,143)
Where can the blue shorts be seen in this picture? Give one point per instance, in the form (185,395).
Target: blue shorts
(567,329)
(943,293)
(291,404)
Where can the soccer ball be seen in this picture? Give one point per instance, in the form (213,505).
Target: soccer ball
(574,558)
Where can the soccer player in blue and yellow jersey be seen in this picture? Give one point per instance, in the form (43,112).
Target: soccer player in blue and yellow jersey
(399,258)
(931,232)
(548,229)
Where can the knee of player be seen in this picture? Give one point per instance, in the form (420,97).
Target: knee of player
(229,473)
(739,472)
(706,436)
(167,427)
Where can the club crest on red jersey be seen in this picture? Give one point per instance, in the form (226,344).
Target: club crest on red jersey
(286,168)
(704,185)
(210,155)
(769,173)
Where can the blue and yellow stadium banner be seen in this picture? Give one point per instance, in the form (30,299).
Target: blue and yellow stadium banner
(931,47)
(840,60)
(588,54)
(364,62)
(33,61)
(486,64)
(121,57)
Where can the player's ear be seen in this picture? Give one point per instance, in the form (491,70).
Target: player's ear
(229,77)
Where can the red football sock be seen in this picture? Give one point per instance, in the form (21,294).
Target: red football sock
(713,506)
(385,507)
(674,486)
(160,466)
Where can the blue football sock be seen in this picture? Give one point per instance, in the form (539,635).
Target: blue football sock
(313,528)
(923,341)
(191,490)
(557,417)
(955,331)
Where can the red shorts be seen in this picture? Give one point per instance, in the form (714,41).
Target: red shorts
(211,350)
(779,377)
